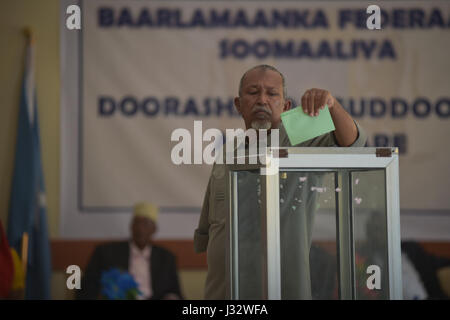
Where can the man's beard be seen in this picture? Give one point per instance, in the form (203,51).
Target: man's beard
(261,124)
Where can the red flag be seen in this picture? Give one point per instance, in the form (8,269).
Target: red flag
(6,265)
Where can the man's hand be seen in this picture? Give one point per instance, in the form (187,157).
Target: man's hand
(315,99)
(345,131)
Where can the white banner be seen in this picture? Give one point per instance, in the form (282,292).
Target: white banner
(137,70)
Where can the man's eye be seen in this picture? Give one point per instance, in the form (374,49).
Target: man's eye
(273,93)
(253,92)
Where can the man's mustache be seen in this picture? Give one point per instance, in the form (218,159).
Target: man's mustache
(261,108)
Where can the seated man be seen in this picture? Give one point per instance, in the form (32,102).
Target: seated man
(152,267)
(430,270)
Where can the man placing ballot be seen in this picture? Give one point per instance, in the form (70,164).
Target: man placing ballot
(262,103)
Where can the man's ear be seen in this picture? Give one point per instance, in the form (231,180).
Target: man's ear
(237,104)
(287,105)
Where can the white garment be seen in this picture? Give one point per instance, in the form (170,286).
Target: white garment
(413,288)
(139,268)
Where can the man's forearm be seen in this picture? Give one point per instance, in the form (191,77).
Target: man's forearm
(346,132)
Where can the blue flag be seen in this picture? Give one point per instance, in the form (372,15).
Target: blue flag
(27,212)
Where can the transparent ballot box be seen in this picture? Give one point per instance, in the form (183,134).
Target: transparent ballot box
(322,223)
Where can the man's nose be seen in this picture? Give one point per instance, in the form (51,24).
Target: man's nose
(262,98)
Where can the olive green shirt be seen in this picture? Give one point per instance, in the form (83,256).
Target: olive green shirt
(210,235)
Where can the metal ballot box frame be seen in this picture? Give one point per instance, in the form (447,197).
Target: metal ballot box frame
(341,164)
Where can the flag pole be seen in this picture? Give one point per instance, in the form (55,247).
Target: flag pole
(25,253)
(29,34)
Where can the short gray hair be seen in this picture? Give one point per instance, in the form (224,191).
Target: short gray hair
(264,67)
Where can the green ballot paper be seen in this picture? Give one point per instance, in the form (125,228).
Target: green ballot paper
(301,127)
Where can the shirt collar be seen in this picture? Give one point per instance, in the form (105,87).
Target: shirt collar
(138,252)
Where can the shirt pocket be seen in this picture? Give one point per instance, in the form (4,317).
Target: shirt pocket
(217,201)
